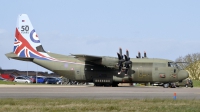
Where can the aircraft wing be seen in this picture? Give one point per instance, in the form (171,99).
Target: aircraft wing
(84,57)
(100,60)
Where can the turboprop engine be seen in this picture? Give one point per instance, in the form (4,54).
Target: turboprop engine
(107,61)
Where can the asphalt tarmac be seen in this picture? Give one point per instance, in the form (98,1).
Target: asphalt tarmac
(91,92)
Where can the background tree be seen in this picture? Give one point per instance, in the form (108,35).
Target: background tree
(191,63)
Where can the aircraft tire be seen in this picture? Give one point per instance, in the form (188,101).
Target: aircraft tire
(166,85)
(173,85)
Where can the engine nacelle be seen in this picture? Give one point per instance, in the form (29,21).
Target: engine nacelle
(108,61)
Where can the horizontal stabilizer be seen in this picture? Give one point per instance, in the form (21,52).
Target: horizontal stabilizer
(14,56)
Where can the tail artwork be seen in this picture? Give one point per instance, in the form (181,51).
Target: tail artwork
(27,43)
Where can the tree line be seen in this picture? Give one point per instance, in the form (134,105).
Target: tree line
(191,63)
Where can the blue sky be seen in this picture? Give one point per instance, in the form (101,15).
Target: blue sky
(164,29)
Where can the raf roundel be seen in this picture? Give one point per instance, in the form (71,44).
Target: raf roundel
(34,37)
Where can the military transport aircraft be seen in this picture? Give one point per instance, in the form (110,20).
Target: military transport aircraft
(101,70)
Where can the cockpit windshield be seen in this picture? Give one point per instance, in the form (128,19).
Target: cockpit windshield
(172,64)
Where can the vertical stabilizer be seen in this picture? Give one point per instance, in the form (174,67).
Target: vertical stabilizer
(27,43)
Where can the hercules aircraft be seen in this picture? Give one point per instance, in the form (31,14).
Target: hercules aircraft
(101,70)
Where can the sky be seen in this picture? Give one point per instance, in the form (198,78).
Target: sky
(164,29)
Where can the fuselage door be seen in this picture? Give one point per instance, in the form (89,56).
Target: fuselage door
(79,73)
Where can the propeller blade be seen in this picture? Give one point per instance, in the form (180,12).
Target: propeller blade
(127,53)
(120,51)
(139,55)
(119,57)
(126,58)
(145,54)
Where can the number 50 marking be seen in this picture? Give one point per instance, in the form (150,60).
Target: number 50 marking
(25,28)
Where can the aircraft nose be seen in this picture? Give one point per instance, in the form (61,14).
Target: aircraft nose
(182,74)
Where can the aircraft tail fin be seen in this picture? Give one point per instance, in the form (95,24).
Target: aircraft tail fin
(27,43)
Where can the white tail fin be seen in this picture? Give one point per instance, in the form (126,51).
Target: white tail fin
(27,43)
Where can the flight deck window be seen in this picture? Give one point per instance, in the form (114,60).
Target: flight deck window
(171,64)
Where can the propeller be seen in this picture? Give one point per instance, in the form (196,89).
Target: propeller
(120,60)
(128,63)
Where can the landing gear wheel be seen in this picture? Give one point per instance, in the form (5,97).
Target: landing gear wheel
(173,85)
(186,86)
(166,85)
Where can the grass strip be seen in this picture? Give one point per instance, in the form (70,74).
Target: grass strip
(98,105)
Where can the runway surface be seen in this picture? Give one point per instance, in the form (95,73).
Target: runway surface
(90,92)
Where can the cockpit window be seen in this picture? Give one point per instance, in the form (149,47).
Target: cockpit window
(172,64)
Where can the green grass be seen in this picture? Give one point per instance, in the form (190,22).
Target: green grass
(92,105)
(196,83)
(14,83)
(7,82)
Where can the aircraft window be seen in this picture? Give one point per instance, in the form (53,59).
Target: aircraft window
(175,65)
(171,64)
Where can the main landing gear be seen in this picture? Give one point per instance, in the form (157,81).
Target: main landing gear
(171,85)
